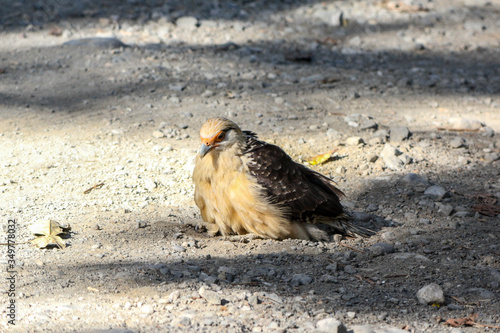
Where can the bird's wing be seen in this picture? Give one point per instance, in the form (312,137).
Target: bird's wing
(301,191)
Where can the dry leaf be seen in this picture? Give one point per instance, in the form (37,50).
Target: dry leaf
(486,209)
(466,321)
(49,232)
(487,205)
(487,198)
(320,159)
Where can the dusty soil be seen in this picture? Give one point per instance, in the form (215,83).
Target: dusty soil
(298,73)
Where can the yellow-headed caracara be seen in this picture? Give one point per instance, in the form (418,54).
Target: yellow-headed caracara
(244,185)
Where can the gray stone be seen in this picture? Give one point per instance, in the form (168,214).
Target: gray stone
(372,158)
(327,278)
(375,329)
(341,170)
(253,300)
(368,124)
(331,325)
(436,192)
(465,124)
(333,134)
(399,133)
(158,134)
(488,132)
(381,133)
(361,216)
(410,256)
(147,309)
(332,267)
(453,307)
(379,249)
(481,293)
(177,248)
(177,87)
(495,274)
(300,279)
(174,296)
(329,16)
(210,296)
(354,141)
(462,160)
(413,179)
(445,209)
(186,22)
(390,156)
(491,157)
(430,294)
(350,269)
(457,142)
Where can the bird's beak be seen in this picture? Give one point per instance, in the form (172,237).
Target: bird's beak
(205,148)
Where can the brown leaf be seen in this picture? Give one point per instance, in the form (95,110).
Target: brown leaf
(466,321)
(487,198)
(486,209)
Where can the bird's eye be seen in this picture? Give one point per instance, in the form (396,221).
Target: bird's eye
(221,135)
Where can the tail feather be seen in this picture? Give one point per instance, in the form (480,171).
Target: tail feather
(345,225)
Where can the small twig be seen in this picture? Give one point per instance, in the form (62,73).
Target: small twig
(458,300)
(87,191)
(362,278)
(352,248)
(457,129)
(395,276)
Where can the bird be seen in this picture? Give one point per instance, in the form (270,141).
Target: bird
(246,186)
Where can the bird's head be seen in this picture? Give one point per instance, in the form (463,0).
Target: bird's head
(218,134)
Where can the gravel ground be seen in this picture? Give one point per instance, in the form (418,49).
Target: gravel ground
(110,97)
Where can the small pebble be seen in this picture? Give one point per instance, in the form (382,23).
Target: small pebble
(399,133)
(436,192)
(381,249)
(354,141)
(457,142)
(331,325)
(300,279)
(177,248)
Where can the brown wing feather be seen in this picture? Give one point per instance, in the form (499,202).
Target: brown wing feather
(302,192)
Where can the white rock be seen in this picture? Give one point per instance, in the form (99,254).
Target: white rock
(147,309)
(354,141)
(390,156)
(374,329)
(331,325)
